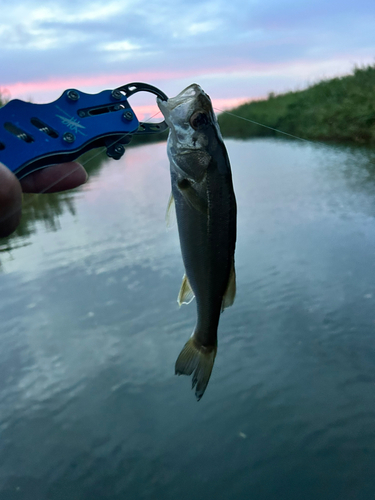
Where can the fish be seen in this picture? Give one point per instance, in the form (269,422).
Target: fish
(206,212)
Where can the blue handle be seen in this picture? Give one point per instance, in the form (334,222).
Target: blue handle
(33,136)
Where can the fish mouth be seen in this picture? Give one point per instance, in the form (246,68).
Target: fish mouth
(192,94)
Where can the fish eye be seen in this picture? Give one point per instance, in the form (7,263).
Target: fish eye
(199,119)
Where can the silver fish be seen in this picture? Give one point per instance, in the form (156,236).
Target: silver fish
(205,204)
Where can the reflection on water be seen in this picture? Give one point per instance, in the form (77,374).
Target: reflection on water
(90,330)
(47,209)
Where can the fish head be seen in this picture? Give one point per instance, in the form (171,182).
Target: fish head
(194,132)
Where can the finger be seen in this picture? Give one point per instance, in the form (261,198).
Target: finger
(10,201)
(56,178)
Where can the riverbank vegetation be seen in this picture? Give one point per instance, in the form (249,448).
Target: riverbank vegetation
(340,109)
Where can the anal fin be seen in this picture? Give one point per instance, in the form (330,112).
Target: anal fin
(230,292)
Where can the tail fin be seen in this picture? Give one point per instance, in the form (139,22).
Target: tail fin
(198,359)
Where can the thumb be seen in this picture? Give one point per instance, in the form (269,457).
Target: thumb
(10,201)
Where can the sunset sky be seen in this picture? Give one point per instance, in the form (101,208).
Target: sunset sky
(235,50)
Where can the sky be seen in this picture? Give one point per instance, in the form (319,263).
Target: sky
(236,50)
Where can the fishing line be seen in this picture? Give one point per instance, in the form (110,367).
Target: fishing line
(261,125)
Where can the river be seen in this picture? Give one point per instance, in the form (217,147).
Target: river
(90,330)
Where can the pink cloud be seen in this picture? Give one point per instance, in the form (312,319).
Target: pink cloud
(23,88)
(243,73)
(48,90)
(60,84)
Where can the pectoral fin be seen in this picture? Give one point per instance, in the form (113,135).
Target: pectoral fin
(191,196)
(230,292)
(186,294)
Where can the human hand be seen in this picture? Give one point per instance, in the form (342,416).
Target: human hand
(48,180)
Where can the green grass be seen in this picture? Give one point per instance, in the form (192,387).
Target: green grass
(340,109)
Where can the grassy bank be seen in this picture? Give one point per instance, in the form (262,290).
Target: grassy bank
(340,109)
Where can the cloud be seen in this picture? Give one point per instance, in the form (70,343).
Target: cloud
(240,48)
(202,27)
(120,46)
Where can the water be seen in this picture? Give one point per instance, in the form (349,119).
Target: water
(90,330)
